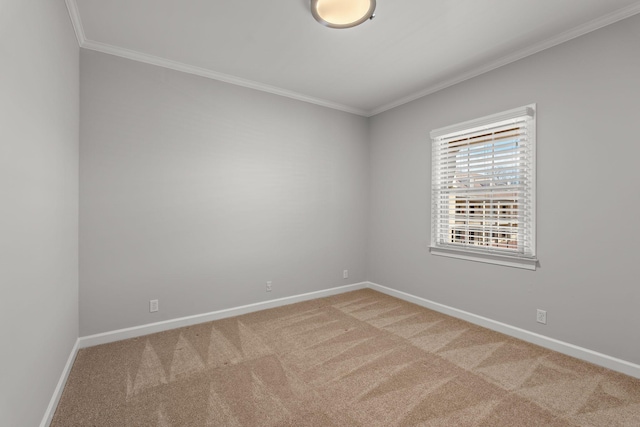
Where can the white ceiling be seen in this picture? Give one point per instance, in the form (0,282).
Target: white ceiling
(411,48)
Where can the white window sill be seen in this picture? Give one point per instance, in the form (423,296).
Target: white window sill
(498,259)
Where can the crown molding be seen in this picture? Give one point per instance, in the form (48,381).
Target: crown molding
(226,78)
(575,32)
(85,43)
(74,14)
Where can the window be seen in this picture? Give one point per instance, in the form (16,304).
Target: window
(483,189)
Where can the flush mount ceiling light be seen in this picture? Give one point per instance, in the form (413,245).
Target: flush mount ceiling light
(342,13)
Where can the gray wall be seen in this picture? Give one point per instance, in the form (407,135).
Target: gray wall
(196,192)
(39,110)
(587,91)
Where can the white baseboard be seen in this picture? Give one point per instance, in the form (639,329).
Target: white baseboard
(151,328)
(591,356)
(57,393)
(585,354)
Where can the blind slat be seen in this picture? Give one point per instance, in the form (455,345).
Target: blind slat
(483,184)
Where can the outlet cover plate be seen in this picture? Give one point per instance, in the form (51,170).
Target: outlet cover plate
(541,316)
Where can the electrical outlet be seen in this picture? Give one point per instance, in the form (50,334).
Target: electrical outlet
(153,305)
(541,317)
(345,274)
(269,288)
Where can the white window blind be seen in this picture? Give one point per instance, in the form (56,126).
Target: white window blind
(483,189)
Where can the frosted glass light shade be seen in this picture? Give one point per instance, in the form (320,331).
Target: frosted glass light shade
(342,13)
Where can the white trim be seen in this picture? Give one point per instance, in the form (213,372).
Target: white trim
(57,393)
(214,75)
(470,125)
(609,362)
(591,356)
(74,14)
(485,254)
(151,328)
(85,43)
(571,34)
(578,31)
(487,258)
(615,364)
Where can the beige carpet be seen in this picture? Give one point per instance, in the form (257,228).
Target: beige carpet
(356,359)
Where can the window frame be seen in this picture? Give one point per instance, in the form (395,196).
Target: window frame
(476,253)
